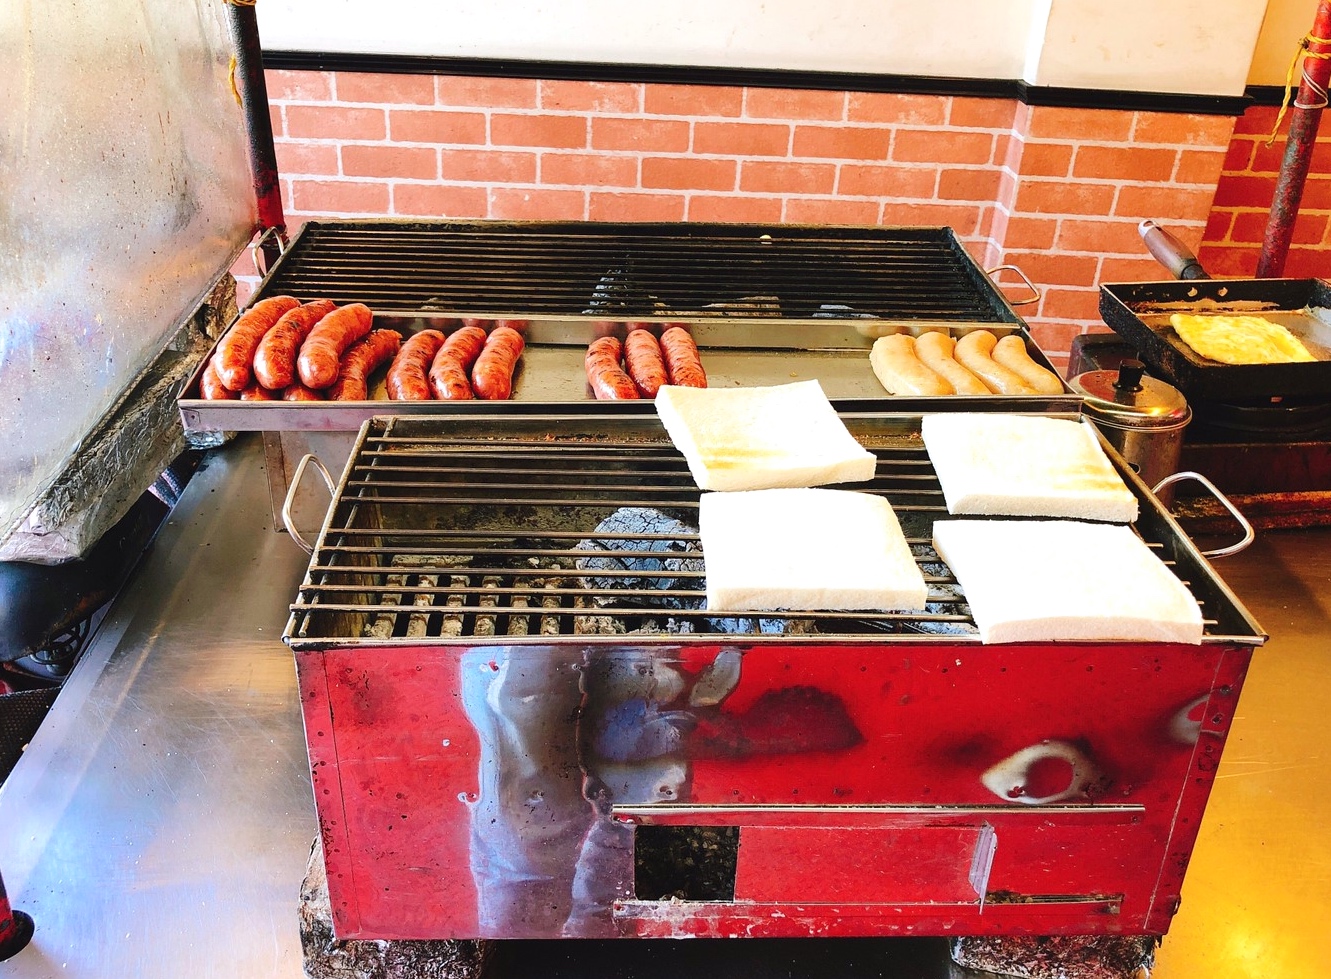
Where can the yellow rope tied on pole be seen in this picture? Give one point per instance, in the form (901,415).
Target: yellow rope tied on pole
(231,69)
(1301,51)
(231,77)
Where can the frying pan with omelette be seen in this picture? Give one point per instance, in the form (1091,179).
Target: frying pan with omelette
(1239,339)
(1229,340)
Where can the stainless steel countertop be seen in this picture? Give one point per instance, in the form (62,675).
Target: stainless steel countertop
(159,824)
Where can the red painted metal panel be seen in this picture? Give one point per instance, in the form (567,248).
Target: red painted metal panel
(1071,916)
(467,792)
(859,865)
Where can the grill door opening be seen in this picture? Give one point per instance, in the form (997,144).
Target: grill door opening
(690,863)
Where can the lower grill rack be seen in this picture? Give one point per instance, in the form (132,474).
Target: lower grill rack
(448,538)
(528,535)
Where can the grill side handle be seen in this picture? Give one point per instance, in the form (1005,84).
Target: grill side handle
(1249,535)
(1034,297)
(287,504)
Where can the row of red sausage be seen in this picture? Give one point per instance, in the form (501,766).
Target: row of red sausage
(646,364)
(464,364)
(281,349)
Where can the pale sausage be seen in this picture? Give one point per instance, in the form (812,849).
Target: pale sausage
(974,352)
(900,371)
(1010,352)
(935,351)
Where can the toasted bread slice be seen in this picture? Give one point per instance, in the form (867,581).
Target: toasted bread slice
(1025,466)
(806,549)
(762,437)
(1043,580)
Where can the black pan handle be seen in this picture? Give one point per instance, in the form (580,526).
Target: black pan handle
(1170,252)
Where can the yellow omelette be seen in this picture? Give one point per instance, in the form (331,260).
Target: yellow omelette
(1239,339)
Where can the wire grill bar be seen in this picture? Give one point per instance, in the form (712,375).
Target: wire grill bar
(439,537)
(522,530)
(641,271)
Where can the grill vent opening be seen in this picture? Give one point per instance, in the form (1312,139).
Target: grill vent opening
(688,863)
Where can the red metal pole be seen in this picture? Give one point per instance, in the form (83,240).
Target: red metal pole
(15,927)
(253,91)
(1304,118)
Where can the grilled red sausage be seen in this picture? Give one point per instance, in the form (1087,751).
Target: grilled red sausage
(321,353)
(257,392)
(235,351)
(449,372)
(492,375)
(362,360)
(681,358)
(299,392)
(644,363)
(275,357)
(607,379)
(406,376)
(211,386)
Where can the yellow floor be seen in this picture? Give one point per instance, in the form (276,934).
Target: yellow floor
(1257,897)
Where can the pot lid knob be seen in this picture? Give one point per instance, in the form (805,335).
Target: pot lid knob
(1130,375)
(1131,398)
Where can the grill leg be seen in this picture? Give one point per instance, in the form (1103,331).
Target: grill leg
(15,927)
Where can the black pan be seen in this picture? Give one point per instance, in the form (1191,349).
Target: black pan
(1139,312)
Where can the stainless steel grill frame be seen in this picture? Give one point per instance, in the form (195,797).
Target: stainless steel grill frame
(465,529)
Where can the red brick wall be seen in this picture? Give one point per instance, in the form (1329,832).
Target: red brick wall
(1243,203)
(1057,191)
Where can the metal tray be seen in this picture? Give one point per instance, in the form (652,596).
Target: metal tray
(1140,311)
(736,352)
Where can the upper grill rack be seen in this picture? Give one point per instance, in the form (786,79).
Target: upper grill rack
(457,535)
(640,270)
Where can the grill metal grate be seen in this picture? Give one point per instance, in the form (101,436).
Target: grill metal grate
(640,270)
(476,536)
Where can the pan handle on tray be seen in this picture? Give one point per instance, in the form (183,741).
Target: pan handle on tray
(1170,252)
(1248,533)
(1034,297)
(290,500)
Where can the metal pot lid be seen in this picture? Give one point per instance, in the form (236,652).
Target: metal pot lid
(1130,398)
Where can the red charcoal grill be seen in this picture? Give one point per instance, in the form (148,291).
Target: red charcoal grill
(522,724)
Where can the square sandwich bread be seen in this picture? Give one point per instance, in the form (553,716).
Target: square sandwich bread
(1019,465)
(1042,580)
(805,549)
(788,435)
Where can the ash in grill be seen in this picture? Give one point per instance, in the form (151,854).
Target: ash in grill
(444,529)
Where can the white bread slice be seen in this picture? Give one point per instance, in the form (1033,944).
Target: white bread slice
(804,549)
(762,437)
(1025,466)
(1041,580)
